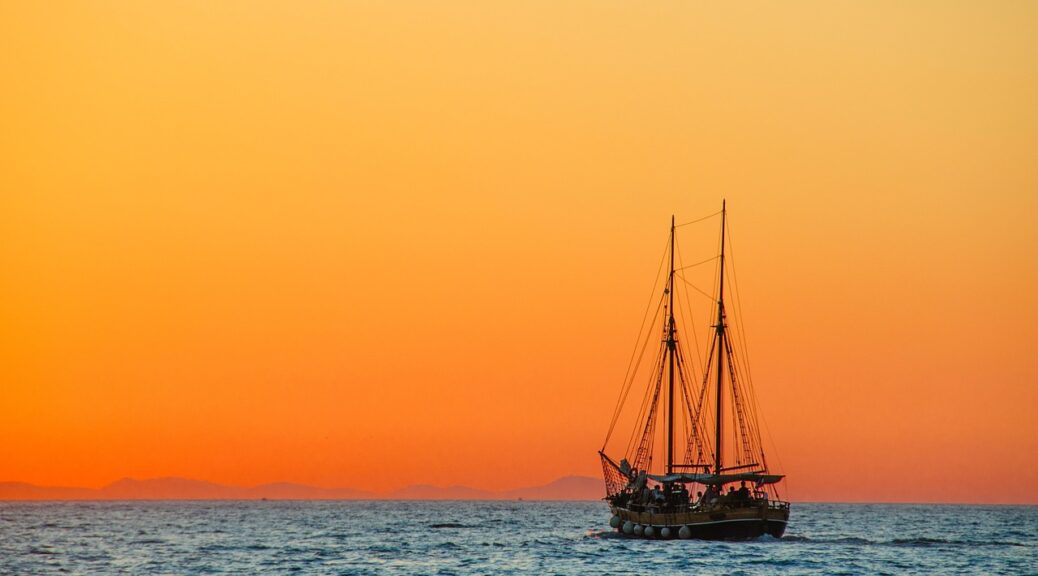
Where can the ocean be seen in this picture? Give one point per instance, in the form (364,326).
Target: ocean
(461,538)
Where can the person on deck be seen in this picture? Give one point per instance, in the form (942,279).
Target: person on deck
(729,498)
(681,498)
(743,494)
(711,497)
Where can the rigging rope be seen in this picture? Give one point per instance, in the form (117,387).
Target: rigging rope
(698,219)
(696,288)
(757,414)
(628,375)
(645,402)
(691,321)
(710,259)
(643,457)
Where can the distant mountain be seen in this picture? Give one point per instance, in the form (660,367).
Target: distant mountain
(167,489)
(178,489)
(172,488)
(25,491)
(565,488)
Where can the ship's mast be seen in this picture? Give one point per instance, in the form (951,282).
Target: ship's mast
(670,354)
(720,351)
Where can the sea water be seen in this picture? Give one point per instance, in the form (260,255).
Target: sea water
(567,538)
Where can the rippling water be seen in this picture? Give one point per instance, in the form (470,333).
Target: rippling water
(494,538)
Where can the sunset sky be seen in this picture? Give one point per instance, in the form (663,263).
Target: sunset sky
(373,244)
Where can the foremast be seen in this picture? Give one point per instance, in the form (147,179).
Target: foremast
(671,350)
(720,351)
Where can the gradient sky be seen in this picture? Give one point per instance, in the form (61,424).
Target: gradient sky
(371,244)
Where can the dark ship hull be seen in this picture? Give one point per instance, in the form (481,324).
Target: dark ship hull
(731,524)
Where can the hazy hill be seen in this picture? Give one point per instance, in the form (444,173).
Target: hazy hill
(167,488)
(172,488)
(565,488)
(26,491)
(177,489)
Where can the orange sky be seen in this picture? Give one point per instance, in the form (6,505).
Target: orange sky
(375,244)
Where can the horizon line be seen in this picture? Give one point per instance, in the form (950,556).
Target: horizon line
(362,495)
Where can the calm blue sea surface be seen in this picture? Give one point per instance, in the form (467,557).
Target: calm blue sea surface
(568,538)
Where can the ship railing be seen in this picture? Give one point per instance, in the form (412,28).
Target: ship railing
(692,507)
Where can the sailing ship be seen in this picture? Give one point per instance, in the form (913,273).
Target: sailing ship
(713,482)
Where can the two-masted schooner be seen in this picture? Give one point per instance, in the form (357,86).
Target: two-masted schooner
(714,482)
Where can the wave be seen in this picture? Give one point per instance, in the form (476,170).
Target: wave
(147,541)
(909,542)
(602,534)
(844,540)
(854,540)
(943,542)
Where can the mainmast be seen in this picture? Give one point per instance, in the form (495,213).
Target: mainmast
(670,354)
(720,351)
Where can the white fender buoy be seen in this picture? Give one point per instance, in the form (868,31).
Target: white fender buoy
(614,522)
(650,531)
(685,533)
(628,527)
(639,529)
(665,533)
